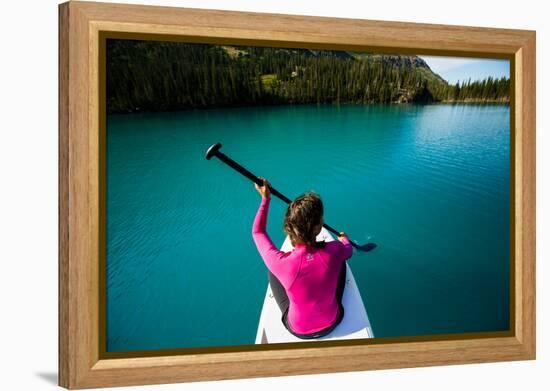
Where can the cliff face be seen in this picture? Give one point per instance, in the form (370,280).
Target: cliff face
(161,76)
(397,60)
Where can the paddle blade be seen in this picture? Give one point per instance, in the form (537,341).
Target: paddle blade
(364,247)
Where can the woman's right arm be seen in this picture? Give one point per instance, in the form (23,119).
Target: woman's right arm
(348,248)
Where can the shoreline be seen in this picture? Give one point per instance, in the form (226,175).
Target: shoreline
(192,109)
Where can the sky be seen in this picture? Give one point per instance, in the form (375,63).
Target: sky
(455,69)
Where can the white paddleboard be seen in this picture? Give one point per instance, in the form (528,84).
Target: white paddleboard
(355,325)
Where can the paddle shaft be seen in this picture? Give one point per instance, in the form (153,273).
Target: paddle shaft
(254,178)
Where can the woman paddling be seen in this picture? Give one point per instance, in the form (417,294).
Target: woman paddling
(307,282)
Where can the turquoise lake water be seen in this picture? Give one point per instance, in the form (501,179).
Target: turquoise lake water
(429,184)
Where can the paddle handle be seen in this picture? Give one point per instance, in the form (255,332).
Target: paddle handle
(254,178)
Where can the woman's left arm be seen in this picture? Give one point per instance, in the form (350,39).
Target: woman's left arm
(271,255)
(259,228)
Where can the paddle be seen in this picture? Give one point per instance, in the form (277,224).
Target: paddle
(214,150)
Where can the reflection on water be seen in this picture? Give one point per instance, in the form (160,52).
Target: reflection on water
(429,184)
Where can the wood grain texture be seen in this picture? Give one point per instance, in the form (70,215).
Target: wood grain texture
(63,199)
(80,184)
(525,122)
(291,28)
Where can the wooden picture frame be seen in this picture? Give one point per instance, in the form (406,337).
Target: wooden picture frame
(83,26)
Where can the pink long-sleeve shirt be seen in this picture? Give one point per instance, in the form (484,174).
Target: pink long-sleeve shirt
(309,276)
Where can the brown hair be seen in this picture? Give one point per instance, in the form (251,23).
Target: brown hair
(303,217)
